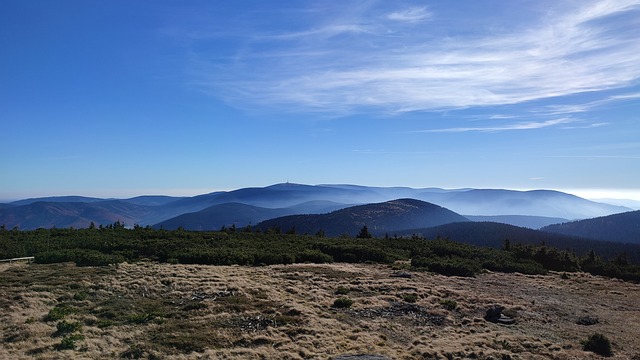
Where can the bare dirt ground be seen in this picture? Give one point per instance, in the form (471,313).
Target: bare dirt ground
(157,311)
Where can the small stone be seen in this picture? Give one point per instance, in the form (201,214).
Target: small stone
(494,314)
(587,321)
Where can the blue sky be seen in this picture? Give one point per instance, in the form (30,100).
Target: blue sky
(123,98)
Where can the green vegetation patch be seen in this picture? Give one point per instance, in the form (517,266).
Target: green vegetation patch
(99,247)
(67,327)
(342,303)
(69,342)
(119,311)
(59,312)
(449,304)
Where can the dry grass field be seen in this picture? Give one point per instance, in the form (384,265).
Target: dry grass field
(157,311)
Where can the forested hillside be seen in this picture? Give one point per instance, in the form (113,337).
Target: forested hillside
(380,218)
(493,234)
(624,227)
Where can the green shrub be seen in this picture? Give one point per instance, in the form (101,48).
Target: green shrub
(140,318)
(314,256)
(69,342)
(410,298)
(80,296)
(448,266)
(59,312)
(342,303)
(449,304)
(598,344)
(57,256)
(342,290)
(65,327)
(96,258)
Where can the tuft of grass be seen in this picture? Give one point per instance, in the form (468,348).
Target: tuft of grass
(185,337)
(138,351)
(16,334)
(194,306)
(141,318)
(118,311)
(342,303)
(598,344)
(80,296)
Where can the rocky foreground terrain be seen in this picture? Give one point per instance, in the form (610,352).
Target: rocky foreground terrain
(157,311)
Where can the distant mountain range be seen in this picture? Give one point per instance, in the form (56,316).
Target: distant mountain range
(376,207)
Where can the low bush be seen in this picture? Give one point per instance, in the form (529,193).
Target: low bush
(59,312)
(342,290)
(342,303)
(69,342)
(449,304)
(96,258)
(454,266)
(598,344)
(410,298)
(313,256)
(57,256)
(67,327)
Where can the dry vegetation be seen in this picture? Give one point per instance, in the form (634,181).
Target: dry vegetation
(151,310)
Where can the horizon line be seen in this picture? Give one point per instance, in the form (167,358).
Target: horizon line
(589,193)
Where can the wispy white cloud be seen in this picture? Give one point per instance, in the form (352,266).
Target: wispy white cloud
(636,157)
(326,32)
(373,65)
(506,127)
(587,106)
(410,15)
(588,126)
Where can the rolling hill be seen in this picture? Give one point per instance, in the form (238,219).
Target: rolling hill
(70,214)
(624,227)
(527,221)
(241,215)
(492,234)
(379,218)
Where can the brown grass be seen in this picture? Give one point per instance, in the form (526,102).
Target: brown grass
(150,310)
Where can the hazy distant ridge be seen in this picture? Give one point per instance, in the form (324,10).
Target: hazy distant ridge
(150,210)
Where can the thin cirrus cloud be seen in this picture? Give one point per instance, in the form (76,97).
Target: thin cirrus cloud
(411,15)
(507,127)
(366,62)
(587,106)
